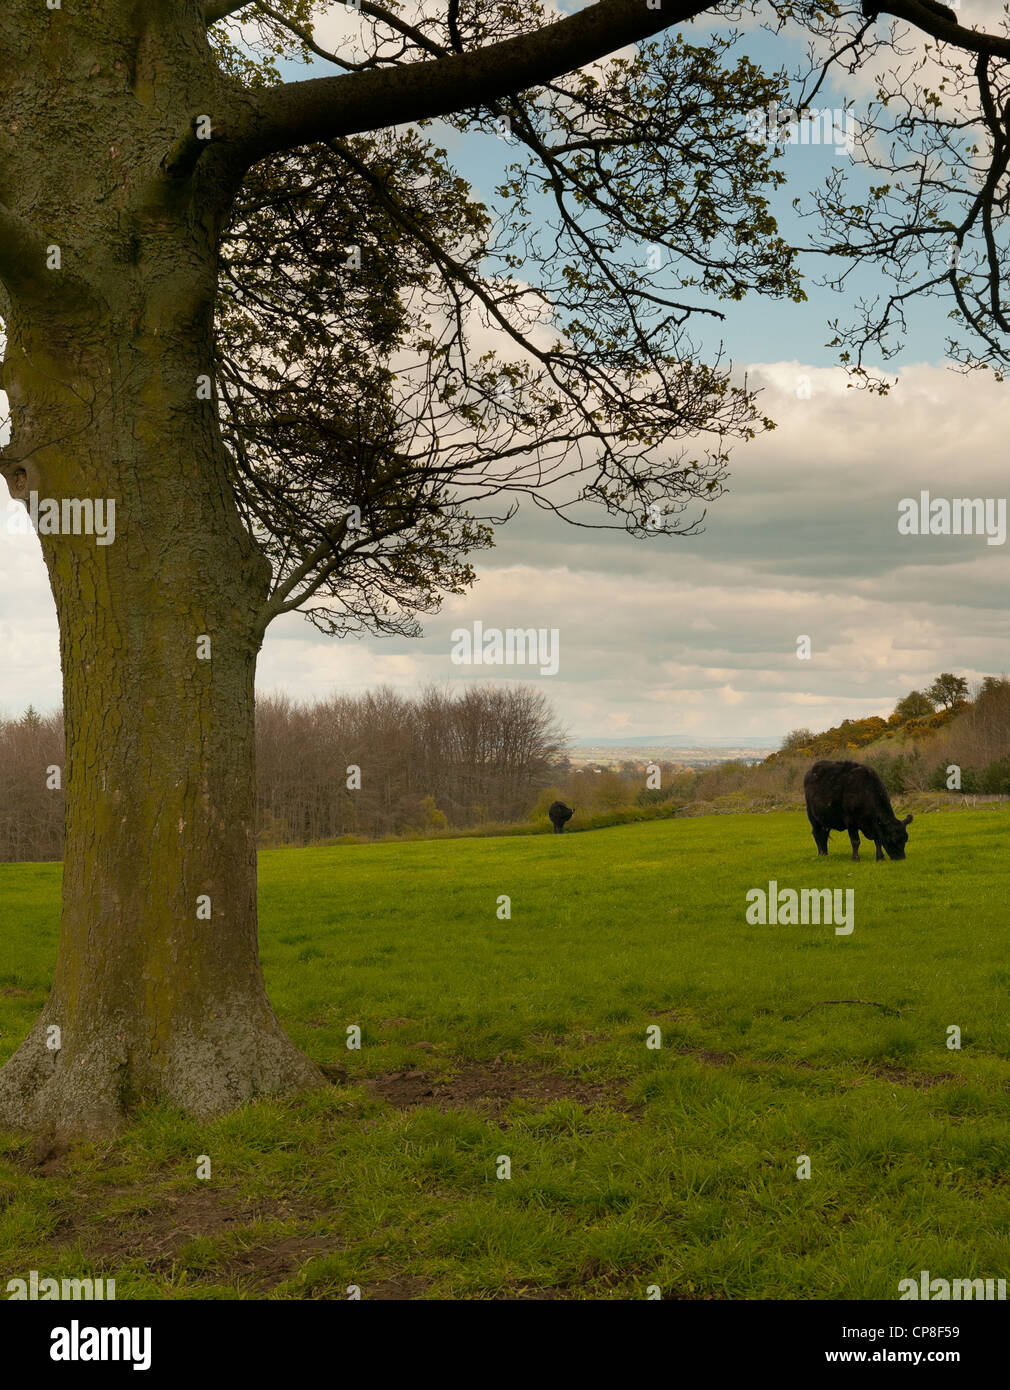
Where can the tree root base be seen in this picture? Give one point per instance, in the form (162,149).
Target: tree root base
(100,1075)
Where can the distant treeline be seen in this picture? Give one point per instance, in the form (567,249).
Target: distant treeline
(384,763)
(371,765)
(491,759)
(31,811)
(949,737)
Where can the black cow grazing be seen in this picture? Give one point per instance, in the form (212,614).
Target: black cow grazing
(850,796)
(560,815)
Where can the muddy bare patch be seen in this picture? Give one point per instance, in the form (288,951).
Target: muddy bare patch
(48,1156)
(268,1263)
(395,1290)
(921,1080)
(155,1234)
(491,1089)
(576,1039)
(711,1059)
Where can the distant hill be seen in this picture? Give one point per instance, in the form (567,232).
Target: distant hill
(680,740)
(609,752)
(963,747)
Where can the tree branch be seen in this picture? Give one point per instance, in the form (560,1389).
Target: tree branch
(216,10)
(933,22)
(23,259)
(298,113)
(453,21)
(305,36)
(400,26)
(277,602)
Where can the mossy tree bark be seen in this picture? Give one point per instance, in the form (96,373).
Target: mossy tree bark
(159,636)
(109,345)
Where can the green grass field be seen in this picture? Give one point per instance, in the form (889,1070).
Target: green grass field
(526,1038)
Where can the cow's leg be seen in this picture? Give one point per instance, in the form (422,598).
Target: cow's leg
(880,850)
(558,828)
(820,837)
(854,837)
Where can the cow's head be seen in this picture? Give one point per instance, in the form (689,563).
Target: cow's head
(895,838)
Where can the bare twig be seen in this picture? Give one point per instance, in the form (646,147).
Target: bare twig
(870,1003)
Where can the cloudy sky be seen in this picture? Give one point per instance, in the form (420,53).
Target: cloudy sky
(697,637)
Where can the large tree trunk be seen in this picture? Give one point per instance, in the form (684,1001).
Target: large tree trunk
(152,999)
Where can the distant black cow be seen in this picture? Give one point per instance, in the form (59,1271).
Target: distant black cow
(849,796)
(560,815)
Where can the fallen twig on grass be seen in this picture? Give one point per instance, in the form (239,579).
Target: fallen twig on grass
(871,1003)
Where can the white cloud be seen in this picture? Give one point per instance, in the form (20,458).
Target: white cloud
(698,635)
